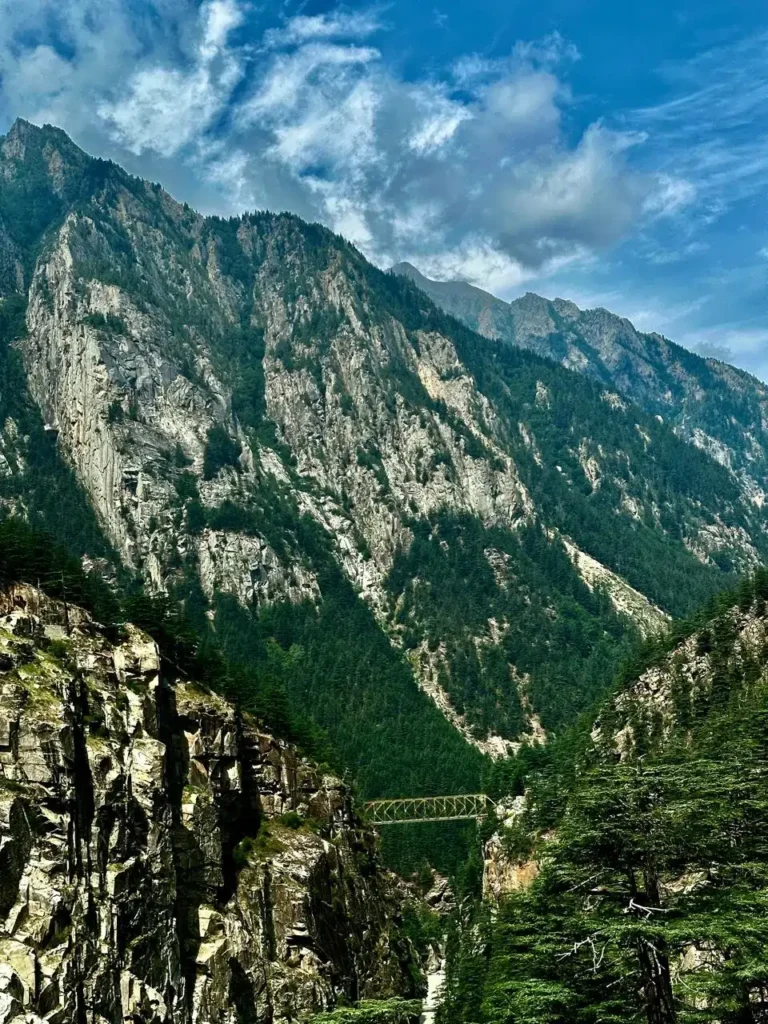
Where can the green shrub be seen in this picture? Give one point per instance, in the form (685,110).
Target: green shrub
(220,451)
(115,413)
(373,1011)
(186,485)
(109,322)
(180,457)
(196,518)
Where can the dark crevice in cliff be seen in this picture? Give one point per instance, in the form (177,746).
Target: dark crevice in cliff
(83,806)
(267,915)
(239,814)
(81,1008)
(190,882)
(241,994)
(339,947)
(14,855)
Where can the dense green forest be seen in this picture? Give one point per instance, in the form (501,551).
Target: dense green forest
(390,1011)
(565,637)
(671,482)
(651,899)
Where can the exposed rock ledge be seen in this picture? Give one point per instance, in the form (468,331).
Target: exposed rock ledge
(161,858)
(503,872)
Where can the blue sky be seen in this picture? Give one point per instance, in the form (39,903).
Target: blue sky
(612,153)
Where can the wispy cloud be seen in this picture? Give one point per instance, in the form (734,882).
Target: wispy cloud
(331,25)
(713,132)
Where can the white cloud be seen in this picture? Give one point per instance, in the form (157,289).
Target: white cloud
(167,108)
(338,135)
(525,100)
(505,192)
(230,171)
(39,80)
(220,17)
(586,195)
(477,261)
(471,172)
(549,51)
(290,79)
(415,221)
(315,108)
(471,68)
(670,196)
(333,25)
(440,120)
(348,219)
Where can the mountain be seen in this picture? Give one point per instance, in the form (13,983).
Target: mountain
(162,858)
(420,544)
(631,878)
(483,312)
(712,405)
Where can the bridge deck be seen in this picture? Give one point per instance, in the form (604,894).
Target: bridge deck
(404,811)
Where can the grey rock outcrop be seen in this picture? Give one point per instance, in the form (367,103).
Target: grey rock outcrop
(162,858)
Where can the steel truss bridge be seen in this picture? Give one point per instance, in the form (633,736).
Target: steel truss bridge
(466,807)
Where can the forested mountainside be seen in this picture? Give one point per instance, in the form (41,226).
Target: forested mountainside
(633,874)
(350,492)
(712,405)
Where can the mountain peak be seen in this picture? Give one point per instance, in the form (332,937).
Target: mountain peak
(21,128)
(406,269)
(25,139)
(24,130)
(530,299)
(451,293)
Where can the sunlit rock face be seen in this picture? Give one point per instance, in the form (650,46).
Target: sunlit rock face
(161,857)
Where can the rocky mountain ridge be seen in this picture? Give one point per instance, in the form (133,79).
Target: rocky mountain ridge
(161,857)
(712,405)
(255,412)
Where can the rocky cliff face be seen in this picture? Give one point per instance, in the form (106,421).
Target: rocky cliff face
(161,858)
(218,385)
(505,870)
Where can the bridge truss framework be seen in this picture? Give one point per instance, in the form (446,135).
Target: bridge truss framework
(408,810)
